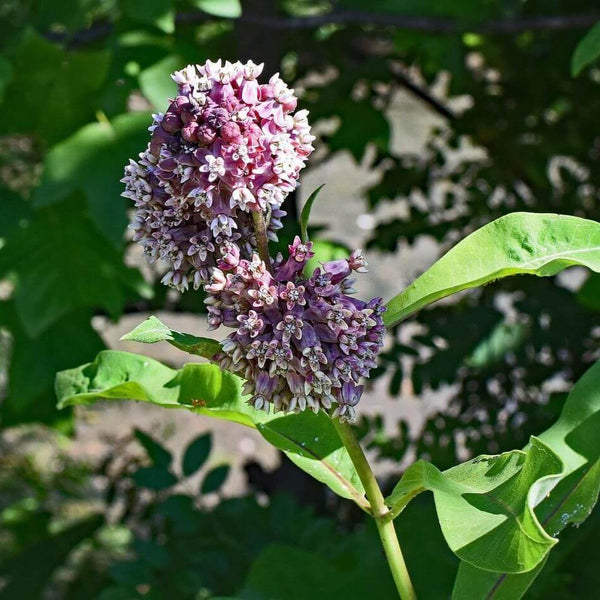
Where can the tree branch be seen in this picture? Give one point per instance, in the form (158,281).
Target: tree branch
(421,93)
(414,23)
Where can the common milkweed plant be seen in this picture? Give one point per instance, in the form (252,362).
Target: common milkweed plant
(207,194)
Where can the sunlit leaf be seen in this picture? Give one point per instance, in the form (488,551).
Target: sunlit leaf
(152,330)
(488,496)
(501,513)
(567,500)
(309,440)
(519,243)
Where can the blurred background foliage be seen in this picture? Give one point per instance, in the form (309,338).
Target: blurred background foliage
(78,81)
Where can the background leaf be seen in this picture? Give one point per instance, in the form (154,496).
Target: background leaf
(154,478)
(214,479)
(196,454)
(35,361)
(48,554)
(587,51)
(89,160)
(159,13)
(220,8)
(54,276)
(68,82)
(157,453)
(156,83)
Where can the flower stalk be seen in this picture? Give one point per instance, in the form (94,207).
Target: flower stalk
(379,511)
(262,241)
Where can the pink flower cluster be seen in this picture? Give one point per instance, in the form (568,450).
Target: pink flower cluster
(300,342)
(226,146)
(229,148)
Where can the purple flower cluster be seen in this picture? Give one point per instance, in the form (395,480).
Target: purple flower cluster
(300,342)
(229,148)
(226,146)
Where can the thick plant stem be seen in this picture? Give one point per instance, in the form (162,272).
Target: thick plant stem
(380,512)
(262,241)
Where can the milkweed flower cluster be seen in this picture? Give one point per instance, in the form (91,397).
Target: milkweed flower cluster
(300,342)
(226,146)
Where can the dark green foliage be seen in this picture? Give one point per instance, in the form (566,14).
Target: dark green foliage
(196,454)
(214,479)
(47,554)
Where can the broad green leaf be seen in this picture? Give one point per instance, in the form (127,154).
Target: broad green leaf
(159,13)
(92,159)
(309,440)
(574,437)
(230,9)
(67,266)
(152,330)
(587,51)
(156,83)
(214,479)
(157,453)
(305,215)
(201,388)
(519,243)
(485,506)
(500,514)
(306,439)
(196,454)
(474,584)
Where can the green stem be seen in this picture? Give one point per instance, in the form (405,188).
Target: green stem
(379,510)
